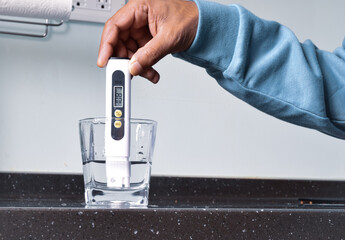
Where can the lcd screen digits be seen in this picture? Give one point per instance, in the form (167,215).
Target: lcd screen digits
(118,96)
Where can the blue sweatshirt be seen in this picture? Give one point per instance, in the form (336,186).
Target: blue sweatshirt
(264,64)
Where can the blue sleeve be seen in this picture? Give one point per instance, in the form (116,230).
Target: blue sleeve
(264,64)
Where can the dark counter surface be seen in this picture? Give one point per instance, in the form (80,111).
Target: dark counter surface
(39,206)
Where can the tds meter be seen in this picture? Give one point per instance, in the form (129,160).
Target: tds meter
(117,125)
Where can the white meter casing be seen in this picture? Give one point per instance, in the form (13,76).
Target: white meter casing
(117,125)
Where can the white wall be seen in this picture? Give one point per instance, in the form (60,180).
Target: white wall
(47,85)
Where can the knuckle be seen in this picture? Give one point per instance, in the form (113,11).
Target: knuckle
(108,22)
(151,54)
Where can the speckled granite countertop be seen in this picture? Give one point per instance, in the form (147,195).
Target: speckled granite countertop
(34,206)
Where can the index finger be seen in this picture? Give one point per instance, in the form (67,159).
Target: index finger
(121,21)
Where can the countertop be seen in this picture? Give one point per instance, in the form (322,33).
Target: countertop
(42,206)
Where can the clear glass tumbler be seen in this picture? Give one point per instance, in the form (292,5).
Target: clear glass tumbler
(142,141)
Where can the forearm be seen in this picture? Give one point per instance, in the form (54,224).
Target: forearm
(264,64)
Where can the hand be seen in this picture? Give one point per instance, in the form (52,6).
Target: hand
(146,31)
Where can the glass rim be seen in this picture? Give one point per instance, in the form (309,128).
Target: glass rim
(132,120)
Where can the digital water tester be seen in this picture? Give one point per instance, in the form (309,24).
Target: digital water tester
(117,125)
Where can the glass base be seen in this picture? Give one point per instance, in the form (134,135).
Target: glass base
(104,197)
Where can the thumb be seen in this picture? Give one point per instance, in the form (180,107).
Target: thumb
(146,56)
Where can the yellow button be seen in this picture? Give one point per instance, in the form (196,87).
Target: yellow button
(118,113)
(117,124)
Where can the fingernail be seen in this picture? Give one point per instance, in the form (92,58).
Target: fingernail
(156,78)
(135,68)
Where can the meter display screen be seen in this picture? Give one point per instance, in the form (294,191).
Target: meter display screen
(118,96)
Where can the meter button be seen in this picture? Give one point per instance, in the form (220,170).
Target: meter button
(117,124)
(118,113)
